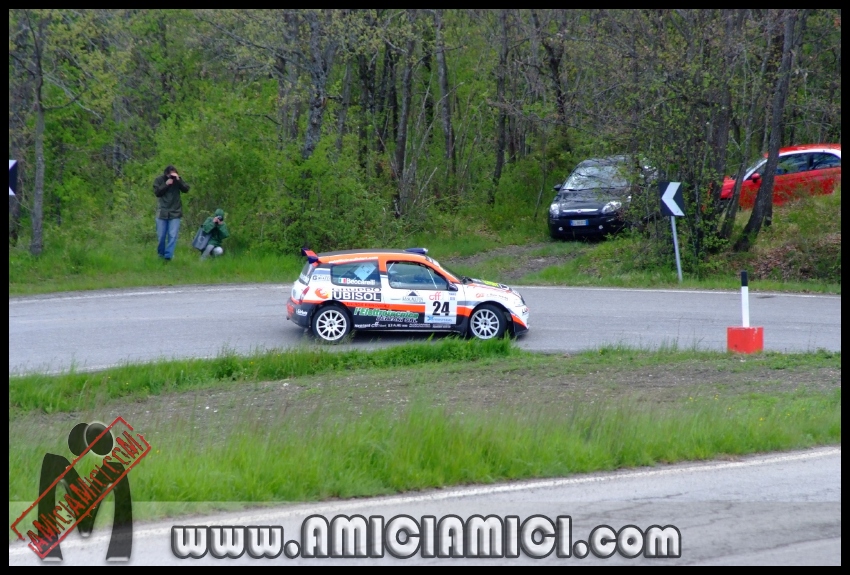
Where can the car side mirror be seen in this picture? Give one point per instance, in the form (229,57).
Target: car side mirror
(453,287)
(755,177)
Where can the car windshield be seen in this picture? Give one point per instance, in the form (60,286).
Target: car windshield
(757,165)
(451,271)
(595,176)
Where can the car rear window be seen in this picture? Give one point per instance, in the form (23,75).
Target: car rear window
(304,276)
(359,273)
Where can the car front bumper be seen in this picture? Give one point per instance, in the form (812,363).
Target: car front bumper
(585,225)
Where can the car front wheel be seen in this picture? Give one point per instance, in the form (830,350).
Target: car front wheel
(487,322)
(331,324)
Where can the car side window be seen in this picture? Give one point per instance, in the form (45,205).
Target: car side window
(360,273)
(823,160)
(408,275)
(792,164)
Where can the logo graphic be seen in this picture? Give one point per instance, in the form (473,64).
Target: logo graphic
(349,294)
(413,297)
(357,282)
(435,296)
(321,293)
(119,448)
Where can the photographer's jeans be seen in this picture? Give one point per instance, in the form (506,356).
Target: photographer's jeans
(166,231)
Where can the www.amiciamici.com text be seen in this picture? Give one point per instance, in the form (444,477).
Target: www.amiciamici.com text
(404,536)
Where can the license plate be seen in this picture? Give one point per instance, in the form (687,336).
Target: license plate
(578,222)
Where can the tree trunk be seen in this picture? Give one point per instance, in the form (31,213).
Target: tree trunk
(367,106)
(763,209)
(554,56)
(37,209)
(321,59)
(749,129)
(343,112)
(401,138)
(445,102)
(502,120)
(386,100)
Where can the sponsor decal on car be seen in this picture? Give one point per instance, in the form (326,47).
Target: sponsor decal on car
(491,284)
(386,315)
(356,295)
(322,293)
(442,308)
(413,297)
(319,276)
(300,311)
(350,281)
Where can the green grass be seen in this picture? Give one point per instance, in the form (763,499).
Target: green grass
(319,456)
(74,391)
(96,265)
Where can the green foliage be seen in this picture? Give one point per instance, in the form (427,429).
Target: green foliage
(131,91)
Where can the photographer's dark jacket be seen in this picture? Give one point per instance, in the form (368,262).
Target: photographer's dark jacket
(217,232)
(170,204)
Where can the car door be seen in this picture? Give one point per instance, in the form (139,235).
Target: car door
(416,288)
(791,175)
(825,172)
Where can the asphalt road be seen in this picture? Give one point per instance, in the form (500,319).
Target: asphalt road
(779,509)
(775,509)
(93,330)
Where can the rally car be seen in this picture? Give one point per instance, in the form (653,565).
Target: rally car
(399,290)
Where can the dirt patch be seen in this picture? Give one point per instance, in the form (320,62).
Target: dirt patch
(516,261)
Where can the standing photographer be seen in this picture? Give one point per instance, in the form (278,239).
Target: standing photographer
(167,189)
(215,226)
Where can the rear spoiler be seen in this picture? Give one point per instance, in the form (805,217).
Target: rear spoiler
(311,255)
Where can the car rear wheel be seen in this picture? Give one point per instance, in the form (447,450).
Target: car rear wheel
(487,322)
(331,324)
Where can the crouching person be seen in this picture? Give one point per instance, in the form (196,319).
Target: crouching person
(215,226)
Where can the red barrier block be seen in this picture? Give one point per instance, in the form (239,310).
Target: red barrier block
(745,339)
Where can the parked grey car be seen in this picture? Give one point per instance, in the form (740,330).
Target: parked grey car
(593,199)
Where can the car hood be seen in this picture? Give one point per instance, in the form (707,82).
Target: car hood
(593,200)
(499,291)
(484,283)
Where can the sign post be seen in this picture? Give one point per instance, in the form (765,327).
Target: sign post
(673,205)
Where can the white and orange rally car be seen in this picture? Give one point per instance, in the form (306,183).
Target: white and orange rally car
(399,290)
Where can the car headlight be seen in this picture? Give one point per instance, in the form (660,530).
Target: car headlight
(611,207)
(554,208)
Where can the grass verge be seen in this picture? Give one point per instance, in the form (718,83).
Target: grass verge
(75,391)
(409,426)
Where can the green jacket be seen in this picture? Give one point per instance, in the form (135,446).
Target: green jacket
(217,232)
(170,204)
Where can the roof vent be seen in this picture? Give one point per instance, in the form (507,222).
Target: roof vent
(420,251)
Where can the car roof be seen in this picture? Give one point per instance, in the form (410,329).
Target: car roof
(810,148)
(345,256)
(341,256)
(604,161)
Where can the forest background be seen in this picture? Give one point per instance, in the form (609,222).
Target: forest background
(368,128)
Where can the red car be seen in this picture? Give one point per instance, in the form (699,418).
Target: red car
(809,169)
